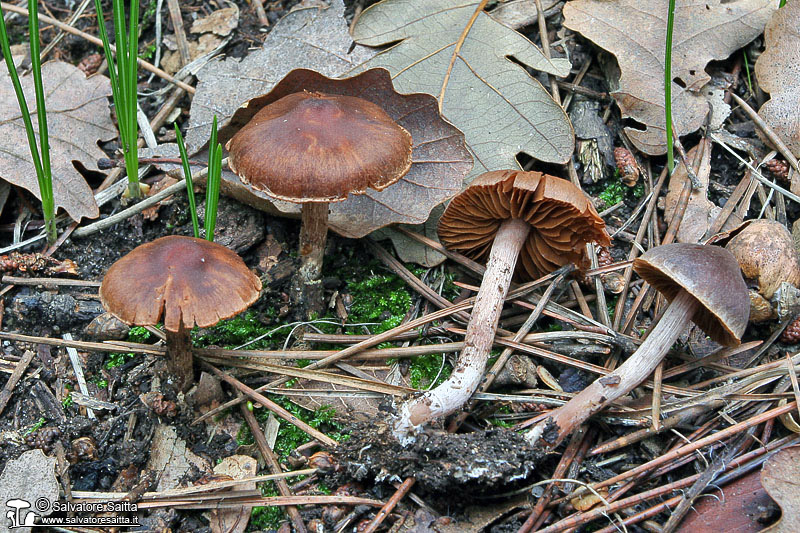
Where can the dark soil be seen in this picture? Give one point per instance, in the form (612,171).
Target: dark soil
(446,466)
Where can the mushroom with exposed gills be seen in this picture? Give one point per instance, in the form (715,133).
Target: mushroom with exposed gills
(703,285)
(314,148)
(543,220)
(187,281)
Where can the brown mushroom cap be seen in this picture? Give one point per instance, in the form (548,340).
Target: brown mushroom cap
(563,220)
(314,147)
(711,275)
(188,280)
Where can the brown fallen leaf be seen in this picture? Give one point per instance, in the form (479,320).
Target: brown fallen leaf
(221,22)
(779,478)
(234,519)
(151,213)
(700,211)
(635,32)
(499,106)
(734,509)
(778,73)
(77,117)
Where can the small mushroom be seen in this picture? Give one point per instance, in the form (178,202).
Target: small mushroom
(765,252)
(313,148)
(703,285)
(185,280)
(544,220)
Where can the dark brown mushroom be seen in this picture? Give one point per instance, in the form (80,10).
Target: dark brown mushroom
(546,221)
(313,148)
(187,281)
(703,285)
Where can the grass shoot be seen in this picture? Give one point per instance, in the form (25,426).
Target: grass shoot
(124,77)
(212,182)
(41,153)
(668,85)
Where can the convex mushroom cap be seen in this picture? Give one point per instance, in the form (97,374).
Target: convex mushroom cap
(711,275)
(186,280)
(562,220)
(315,147)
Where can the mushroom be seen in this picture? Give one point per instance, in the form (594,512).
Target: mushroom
(185,280)
(314,148)
(500,216)
(765,252)
(703,285)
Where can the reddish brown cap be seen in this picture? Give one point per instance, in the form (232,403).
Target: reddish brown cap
(314,147)
(710,274)
(187,280)
(563,220)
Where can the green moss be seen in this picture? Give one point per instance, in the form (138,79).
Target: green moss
(379,298)
(115,359)
(428,371)
(139,334)
(240,330)
(614,192)
(266,518)
(67,402)
(35,427)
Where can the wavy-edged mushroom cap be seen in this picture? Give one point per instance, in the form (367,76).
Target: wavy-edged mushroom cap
(313,147)
(185,279)
(562,220)
(711,275)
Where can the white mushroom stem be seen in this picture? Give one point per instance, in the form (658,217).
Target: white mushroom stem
(179,357)
(469,369)
(313,235)
(621,381)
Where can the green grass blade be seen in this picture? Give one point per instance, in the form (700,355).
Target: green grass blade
(668,86)
(212,182)
(187,173)
(212,192)
(112,68)
(46,178)
(45,189)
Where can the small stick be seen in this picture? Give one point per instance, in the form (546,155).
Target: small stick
(272,406)
(561,468)
(767,130)
(260,13)
(78,369)
(546,48)
(49,282)
(384,337)
(401,491)
(16,375)
(461,259)
(180,33)
(272,462)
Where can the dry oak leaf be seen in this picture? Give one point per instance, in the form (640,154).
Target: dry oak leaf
(779,478)
(314,38)
(778,73)
(635,32)
(77,118)
(501,109)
